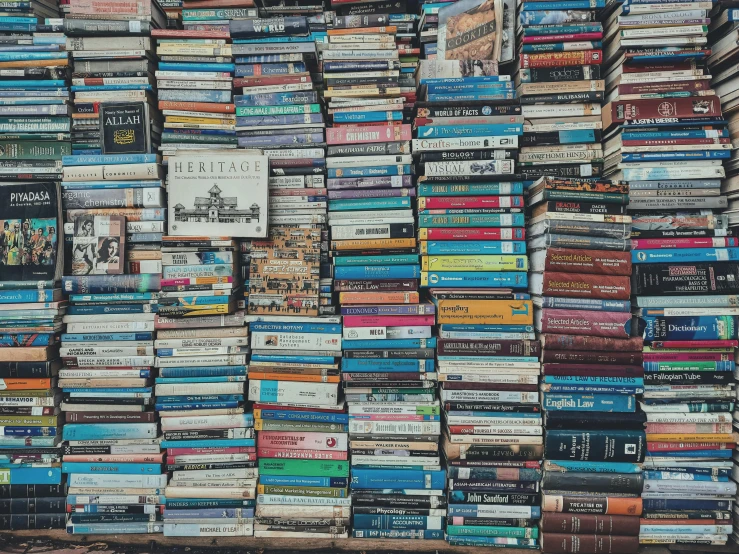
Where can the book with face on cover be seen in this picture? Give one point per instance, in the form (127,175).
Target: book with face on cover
(98,245)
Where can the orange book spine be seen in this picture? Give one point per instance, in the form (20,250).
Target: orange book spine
(26,384)
(356,244)
(197,107)
(35,63)
(379,298)
(261,376)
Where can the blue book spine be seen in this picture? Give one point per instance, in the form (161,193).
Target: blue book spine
(467,540)
(393,259)
(370,204)
(378,272)
(195,372)
(471,96)
(198,300)
(652,367)
(180,66)
(196,406)
(95,431)
(315,417)
(669,156)
(275,98)
(210,397)
(453,131)
(541,30)
(576,379)
(555,47)
(111,159)
(12,431)
(208,379)
(424,534)
(690,328)
(215,443)
(388,344)
(361,365)
(589,403)
(481,189)
(668,475)
(691,504)
(565,5)
(304,481)
(12,339)
(492,80)
(480,510)
(649,135)
(123,469)
(671,255)
(364,117)
(278,327)
(382,521)
(29,295)
(464,86)
(589,304)
(371,171)
(386,479)
(35,476)
(269,69)
(476,279)
(722,454)
(597,467)
(549,17)
(109,185)
(112,309)
(28,56)
(474,247)
(294,359)
(103,337)
(175,95)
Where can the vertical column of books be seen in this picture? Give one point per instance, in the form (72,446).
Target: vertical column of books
(591,365)
(559,83)
(474,265)
(393,440)
(34,134)
(31,309)
(681,254)
(722,62)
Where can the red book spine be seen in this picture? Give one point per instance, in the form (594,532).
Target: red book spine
(629,110)
(457,347)
(688,428)
(584,342)
(366,134)
(559,59)
(588,261)
(179,33)
(558,543)
(695,344)
(595,371)
(651,67)
(451,202)
(699,242)
(472,233)
(583,285)
(302,454)
(687,357)
(271,80)
(581,322)
(564,37)
(591,357)
(552,522)
(197,107)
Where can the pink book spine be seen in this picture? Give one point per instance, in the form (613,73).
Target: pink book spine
(388,321)
(702,242)
(368,134)
(565,37)
(302,454)
(687,357)
(689,428)
(302,441)
(210,451)
(101,7)
(695,344)
(116,458)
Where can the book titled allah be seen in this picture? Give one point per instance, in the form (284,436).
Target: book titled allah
(124,128)
(218,194)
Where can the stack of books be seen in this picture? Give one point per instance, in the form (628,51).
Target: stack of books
(428,28)
(111,452)
(35,114)
(200,389)
(722,33)
(112,62)
(31,309)
(560,85)
(194,82)
(582,296)
(302,440)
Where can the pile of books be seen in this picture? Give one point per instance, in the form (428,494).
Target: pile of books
(194,82)
(560,85)
(722,33)
(31,309)
(111,452)
(666,136)
(474,264)
(302,440)
(34,119)
(112,62)
(591,364)
(200,389)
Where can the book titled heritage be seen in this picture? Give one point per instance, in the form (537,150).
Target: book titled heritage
(218,195)
(124,128)
(30,249)
(470,30)
(582,322)
(98,243)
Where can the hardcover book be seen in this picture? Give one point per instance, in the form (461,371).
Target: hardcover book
(124,128)
(219,194)
(30,249)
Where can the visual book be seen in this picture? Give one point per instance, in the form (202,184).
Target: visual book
(98,245)
(470,30)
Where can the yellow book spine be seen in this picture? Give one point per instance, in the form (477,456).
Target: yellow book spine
(475,263)
(485,312)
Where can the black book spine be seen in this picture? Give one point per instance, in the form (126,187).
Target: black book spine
(104,28)
(466,155)
(380,149)
(110,518)
(595,421)
(229,465)
(392,501)
(511,499)
(18,522)
(32,491)
(554,74)
(629,483)
(701,278)
(575,207)
(269,27)
(36,505)
(598,446)
(564,170)
(491,485)
(465,109)
(564,97)
(417,354)
(117,509)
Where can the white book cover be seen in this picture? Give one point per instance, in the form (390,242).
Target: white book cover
(218,195)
